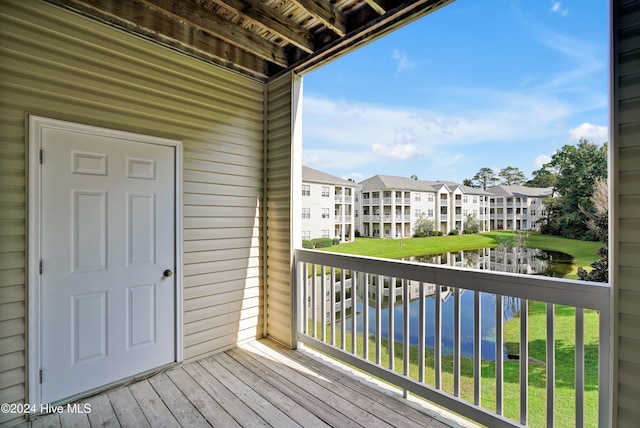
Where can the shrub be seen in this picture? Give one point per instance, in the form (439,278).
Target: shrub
(453,232)
(357,233)
(468,231)
(307,244)
(437,233)
(322,242)
(336,241)
(419,235)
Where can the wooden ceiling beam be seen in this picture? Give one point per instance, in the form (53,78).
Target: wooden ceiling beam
(138,19)
(377,6)
(326,13)
(256,12)
(191,13)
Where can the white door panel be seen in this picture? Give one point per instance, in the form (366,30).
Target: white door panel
(107,236)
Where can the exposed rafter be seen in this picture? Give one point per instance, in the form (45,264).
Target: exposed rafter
(259,38)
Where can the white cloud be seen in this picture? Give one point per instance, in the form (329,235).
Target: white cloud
(402,61)
(594,133)
(541,160)
(395,151)
(557,8)
(355,176)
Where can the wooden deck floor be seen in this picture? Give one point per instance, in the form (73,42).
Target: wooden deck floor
(259,384)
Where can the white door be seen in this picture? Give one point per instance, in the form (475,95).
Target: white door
(107,238)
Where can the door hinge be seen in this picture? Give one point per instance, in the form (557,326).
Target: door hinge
(41,155)
(40,375)
(40,267)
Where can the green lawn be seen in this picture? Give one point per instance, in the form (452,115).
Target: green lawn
(584,254)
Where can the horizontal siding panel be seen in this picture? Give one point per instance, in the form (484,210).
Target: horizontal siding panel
(10,361)
(630,15)
(11,344)
(628,397)
(220,266)
(631,229)
(12,277)
(12,260)
(223,168)
(12,394)
(630,86)
(213,290)
(629,302)
(210,347)
(219,277)
(13,227)
(203,256)
(629,349)
(219,233)
(221,331)
(9,311)
(628,278)
(219,201)
(628,418)
(629,206)
(629,183)
(629,38)
(213,304)
(628,254)
(629,158)
(248,244)
(226,314)
(11,244)
(12,327)
(217,189)
(12,293)
(629,110)
(629,326)
(12,377)
(630,374)
(205,223)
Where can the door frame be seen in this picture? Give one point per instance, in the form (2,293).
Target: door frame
(35,126)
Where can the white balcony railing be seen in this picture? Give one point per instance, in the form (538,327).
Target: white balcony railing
(351,335)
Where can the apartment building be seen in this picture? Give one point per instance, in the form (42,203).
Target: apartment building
(327,206)
(517,207)
(390,205)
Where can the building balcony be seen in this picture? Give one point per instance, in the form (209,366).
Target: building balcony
(373,280)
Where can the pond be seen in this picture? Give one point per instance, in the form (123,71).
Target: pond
(525,260)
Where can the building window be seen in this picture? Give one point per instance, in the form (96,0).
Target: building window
(430,212)
(430,197)
(325,233)
(325,191)
(465,213)
(443,210)
(465,199)
(475,213)
(417,197)
(306,213)
(542,213)
(306,234)
(533,212)
(306,190)
(417,213)
(365,195)
(475,199)
(325,213)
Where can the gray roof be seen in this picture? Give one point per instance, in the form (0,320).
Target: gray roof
(531,192)
(379,182)
(315,176)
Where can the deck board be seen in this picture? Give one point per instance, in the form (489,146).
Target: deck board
(258,384)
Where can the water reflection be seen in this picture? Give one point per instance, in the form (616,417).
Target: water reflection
(515,260)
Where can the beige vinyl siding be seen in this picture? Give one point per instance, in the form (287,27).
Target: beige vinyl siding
(626,261)
(278,201)
(60,65)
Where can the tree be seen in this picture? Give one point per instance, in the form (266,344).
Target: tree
(472,222)
(578,168)
(414,177)
(469,182)
(485,178)
(512,176)
(424,225)
(598,223)
(542,178)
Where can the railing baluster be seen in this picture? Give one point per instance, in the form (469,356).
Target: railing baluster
(421,334)
(343,311)
(579,367)
(365,314)
(314,294)
(332,282)
(323,303)
(305,297)
(477,347)
(499,354)
(438,337)
(392,324)
(354,311)
(379,319)
(456,342)
(551,358)
(524,360)
(405,329)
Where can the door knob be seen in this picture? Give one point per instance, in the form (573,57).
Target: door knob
(168,273)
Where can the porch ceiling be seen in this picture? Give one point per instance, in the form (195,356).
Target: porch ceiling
(259,38)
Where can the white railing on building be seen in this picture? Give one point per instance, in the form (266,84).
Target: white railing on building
(359,273)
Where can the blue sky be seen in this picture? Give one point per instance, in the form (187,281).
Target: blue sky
(490,83)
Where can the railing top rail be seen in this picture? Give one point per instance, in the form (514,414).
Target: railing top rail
(581,294)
